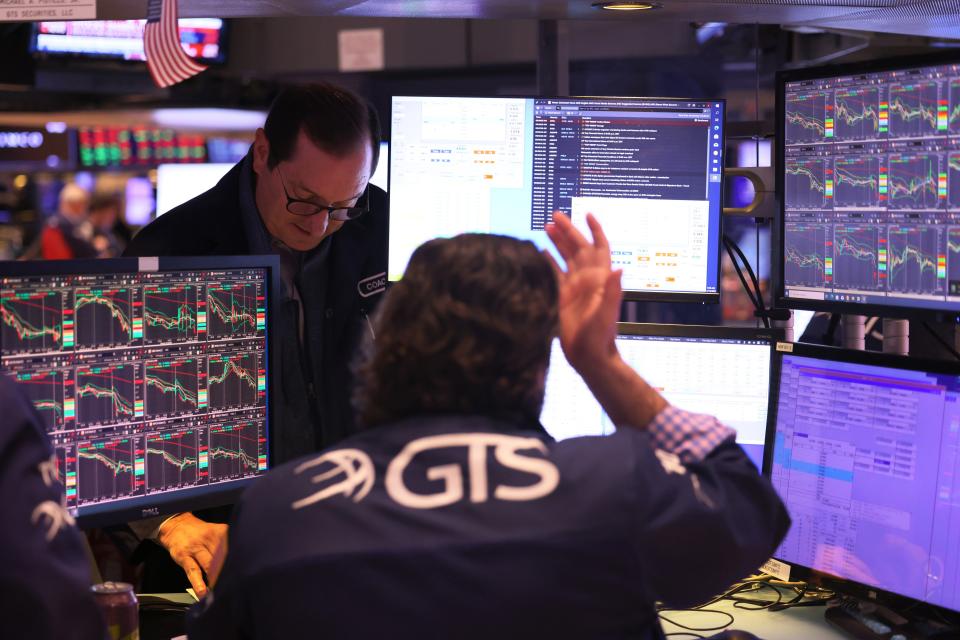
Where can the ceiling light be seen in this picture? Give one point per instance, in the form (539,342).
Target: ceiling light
(627,6)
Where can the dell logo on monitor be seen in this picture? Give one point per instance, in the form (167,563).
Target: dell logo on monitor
(150,512)
(20,139)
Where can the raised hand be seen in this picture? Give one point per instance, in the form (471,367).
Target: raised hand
(590,294)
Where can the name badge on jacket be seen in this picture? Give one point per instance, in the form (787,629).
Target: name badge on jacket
(373,285)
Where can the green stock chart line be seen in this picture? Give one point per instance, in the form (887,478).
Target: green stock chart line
(103,317)
(172,459)
(806,117)
(235,451)
(232,310)
(857,114)
(32,321)
(805,184)
(170,313)
(233,380)
(106,469)
(45,390)
(106,394)
(913,109)
(172,387)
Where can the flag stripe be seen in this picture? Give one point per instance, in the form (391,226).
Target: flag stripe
(166,59)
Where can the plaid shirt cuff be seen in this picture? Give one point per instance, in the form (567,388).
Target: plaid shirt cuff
(691,436)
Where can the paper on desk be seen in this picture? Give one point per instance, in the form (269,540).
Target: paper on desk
(193,594)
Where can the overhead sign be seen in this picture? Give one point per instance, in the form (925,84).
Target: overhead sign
(37,10)
(360,49)
(49,147)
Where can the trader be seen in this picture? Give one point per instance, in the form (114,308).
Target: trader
(301,192)
(457,516)
(45,575)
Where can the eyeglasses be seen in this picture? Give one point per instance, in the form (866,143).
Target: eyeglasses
(306,208)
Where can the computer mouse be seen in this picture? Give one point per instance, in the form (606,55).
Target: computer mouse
(734,634)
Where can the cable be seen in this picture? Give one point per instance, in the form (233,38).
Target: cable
(697,629)
(943,342)
(755,298)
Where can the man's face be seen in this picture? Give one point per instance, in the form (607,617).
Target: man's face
(309,174)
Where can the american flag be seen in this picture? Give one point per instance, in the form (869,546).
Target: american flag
(166,59)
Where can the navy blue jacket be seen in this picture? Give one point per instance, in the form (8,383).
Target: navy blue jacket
(313,394)
(464,527)
(44,574)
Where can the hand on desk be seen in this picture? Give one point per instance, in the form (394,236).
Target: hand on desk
(192,544)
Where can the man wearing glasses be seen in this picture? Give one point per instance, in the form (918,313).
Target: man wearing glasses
(301,192)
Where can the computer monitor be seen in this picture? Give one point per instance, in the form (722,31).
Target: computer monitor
(648,169)
(721,371)
(870,186)
(178,183)
(152,376)
(381,177)
(867,461)
(201,38)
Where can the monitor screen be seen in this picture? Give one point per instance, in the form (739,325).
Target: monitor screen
(649,170)
(152,384)
(381,176)
(227,150)
(201,38)
(867,460)
(871,188)
(177,183)
(719,371)
(140,201)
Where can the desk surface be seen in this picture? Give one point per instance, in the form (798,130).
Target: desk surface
(789,624)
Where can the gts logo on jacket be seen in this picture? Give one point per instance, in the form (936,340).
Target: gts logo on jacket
(351,473)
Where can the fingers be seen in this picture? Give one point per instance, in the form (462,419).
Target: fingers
(565,236)
(613,292)
(205,559)
(217,564)
(193,575)
(561,276)
(599,237)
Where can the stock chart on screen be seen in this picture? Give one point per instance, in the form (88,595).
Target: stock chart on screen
(148,383)
(871,187)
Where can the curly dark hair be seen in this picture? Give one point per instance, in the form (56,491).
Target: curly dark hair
(467,330)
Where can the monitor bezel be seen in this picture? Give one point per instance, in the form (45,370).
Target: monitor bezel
(779,271)
(40,54)
(628,294)
(871,358)
(191,498)
(772,336)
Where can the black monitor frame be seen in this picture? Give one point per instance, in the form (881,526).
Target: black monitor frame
(778,270)
(191,498)
(872,358)
(628,294)
(773,336)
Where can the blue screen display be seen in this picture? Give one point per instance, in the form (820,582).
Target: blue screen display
(867,460)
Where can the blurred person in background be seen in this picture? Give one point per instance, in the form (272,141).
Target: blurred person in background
(108,230)
(69,234)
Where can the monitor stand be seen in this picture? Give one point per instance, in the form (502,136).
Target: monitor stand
(870,621)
